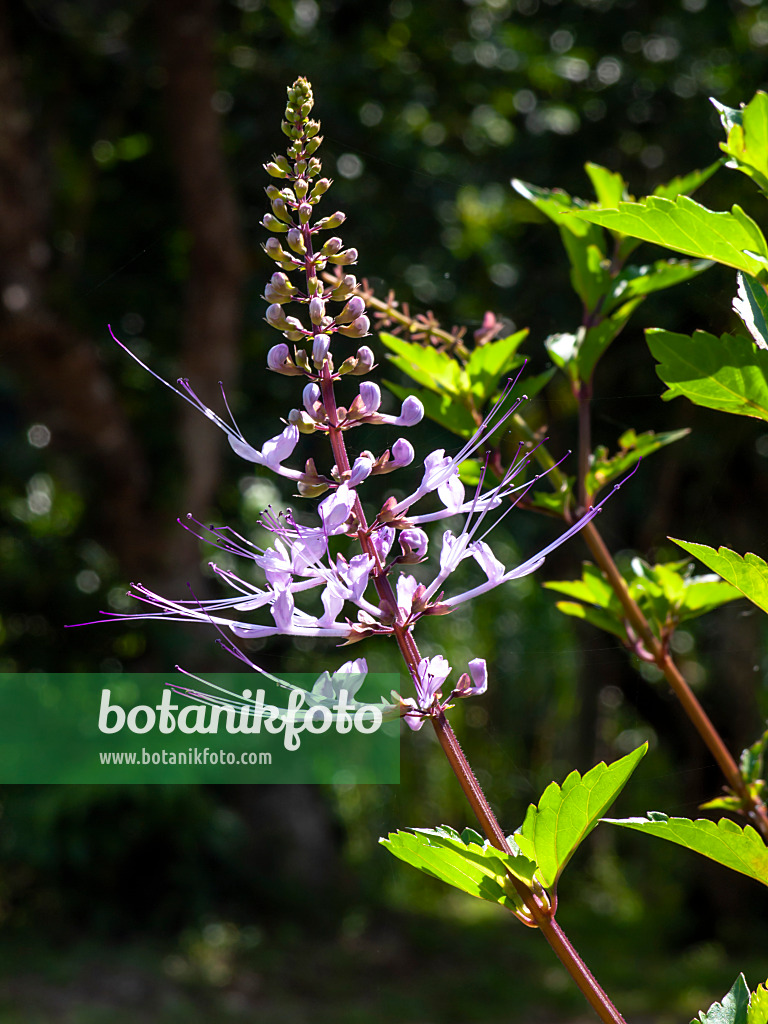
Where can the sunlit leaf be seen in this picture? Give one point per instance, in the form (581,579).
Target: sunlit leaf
(687,184)
(426,365)
(740,849)
(441,408)
(634,281)
(610,188)
(463,861)
(728,373)
(490,362)
(565,815)
(687,227)
(751,304)
(747,573)
(747,142)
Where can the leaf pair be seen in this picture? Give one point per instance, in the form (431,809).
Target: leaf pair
(542,846)
(667,595)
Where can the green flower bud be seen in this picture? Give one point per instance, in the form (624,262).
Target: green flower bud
(275,170)
(329,223)
(313,144)
(272,223)
(280,210)
(343,258)
(321,187)
(296,241)
(302,187)
(315,166)
(305,212)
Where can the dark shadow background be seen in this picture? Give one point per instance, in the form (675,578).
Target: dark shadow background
(132,137)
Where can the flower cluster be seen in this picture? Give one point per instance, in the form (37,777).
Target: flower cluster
(376,591)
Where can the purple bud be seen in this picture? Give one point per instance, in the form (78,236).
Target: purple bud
(402,453)
(359,328)
(320,347)
(316,310)
(278,356)
(411,412)
(275,316)
(370,396)
(331,246)
(413,543)
(365,361)
(310,396)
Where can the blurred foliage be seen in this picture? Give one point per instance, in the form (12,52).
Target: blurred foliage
(428,111)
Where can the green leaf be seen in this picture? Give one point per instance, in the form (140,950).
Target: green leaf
(723,841)
(752,761)
(566,814)
(732,1010)
(751,304)
(463,861)
(595,616)
(610,188)
(747,573)
(428,366)
(686,184)
(747,142)
(758,1006)
(687,227)
(728,373)
(441,408)
(605,468)
(489,362)
(553,203)
(634,282)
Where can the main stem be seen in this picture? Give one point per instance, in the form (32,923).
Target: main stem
(542,916)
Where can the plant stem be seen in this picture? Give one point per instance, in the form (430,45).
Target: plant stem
(542,916)
(753,808)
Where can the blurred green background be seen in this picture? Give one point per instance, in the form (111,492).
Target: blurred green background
(132,137)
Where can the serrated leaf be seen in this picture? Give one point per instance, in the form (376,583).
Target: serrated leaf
(463,861)
(605,468)
(489,362)
(552,203)
(610,188)
(593,588)
(685,226)
(732,1010)
(565,815)
(728,373)
(751,305)
(747,142)
(686,184)
(443,409)
(723,841)
(428,366)
(758,1006)
(747,573)
(634,282)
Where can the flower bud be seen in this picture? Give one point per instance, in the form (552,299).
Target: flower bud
(275,316)
(411,412)
(345,288)
(321,187)
(311,398)
(320,347)
(353,309)
(305,211)
(370,397)
(316,310)
(280,210)
(279,360)
(296,241)
(311,128)
(305,423)
(343,258)
(365,361)
(358,328)
(402,453)
(275,170)
(272,223)
(301,187)
(315,166)
(331,247)
(329,223)
(313,144)
(413,543)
